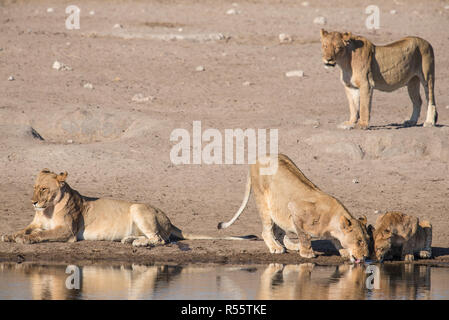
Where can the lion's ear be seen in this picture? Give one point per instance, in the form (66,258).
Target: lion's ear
(345,223)
(363,220)
(62,176)
(323,33)
(346,37)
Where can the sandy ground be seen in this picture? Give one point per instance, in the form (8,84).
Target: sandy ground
(116,147)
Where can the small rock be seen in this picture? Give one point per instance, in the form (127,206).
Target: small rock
(60,66)
(91,12)
(295,73)
(70,141)
(393,12)
(118,26)
(139,97)
(447,107)
(49,10)
(88,85)
(11,78)
(180,29)
(200,68)
(377,212)
(320,20)
(247,83)
(232,11)
(285,38)
(305,3)
(446,7)
(355,181)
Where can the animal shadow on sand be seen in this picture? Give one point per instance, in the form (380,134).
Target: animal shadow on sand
(396,126)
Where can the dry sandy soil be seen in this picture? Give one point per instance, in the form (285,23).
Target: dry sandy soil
(116,147)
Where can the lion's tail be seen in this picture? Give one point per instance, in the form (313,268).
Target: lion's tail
(179,234)
(223,225)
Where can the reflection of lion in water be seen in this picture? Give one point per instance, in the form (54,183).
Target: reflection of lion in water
(62,214)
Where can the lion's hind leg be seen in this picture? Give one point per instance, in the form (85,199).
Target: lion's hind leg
(428,82)
(145,219)
(413,92)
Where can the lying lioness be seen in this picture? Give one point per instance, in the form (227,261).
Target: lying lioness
(397,234)
(292,202)
(62,214)
(365,66)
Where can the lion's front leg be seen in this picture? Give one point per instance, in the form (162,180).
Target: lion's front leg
(19,234)
(366,94)
(58,234)
(353,96)
(407,252)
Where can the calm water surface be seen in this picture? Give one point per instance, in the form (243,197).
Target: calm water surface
(274,281)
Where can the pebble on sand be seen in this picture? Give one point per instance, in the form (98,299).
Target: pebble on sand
(295,73)
(232,11)
(320,20)
(139,97)
(285,38)
(200,68)
(60,66)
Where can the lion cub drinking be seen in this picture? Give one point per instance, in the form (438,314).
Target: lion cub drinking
(365,66)
(292,202)
(397,234)
(62,214)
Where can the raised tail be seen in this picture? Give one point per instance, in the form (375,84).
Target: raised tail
(179,234)
(223,225)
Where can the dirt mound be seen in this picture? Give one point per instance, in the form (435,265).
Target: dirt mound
(383,144)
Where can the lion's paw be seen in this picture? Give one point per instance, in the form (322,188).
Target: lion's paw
(24,239)
(141,242)
(347,125)
(128,240)
(7,238)
(307,253)
(409,258)
(425,254)
(277,250)
(428,124)
(409,123)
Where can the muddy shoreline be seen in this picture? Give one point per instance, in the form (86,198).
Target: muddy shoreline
(103,253)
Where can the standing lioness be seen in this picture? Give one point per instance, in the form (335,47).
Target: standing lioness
(62,214)
(365,66)
(292,202)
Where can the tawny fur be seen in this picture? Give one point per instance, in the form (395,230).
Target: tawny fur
(365,66)
(292,202)
(398,233)
(63,214)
